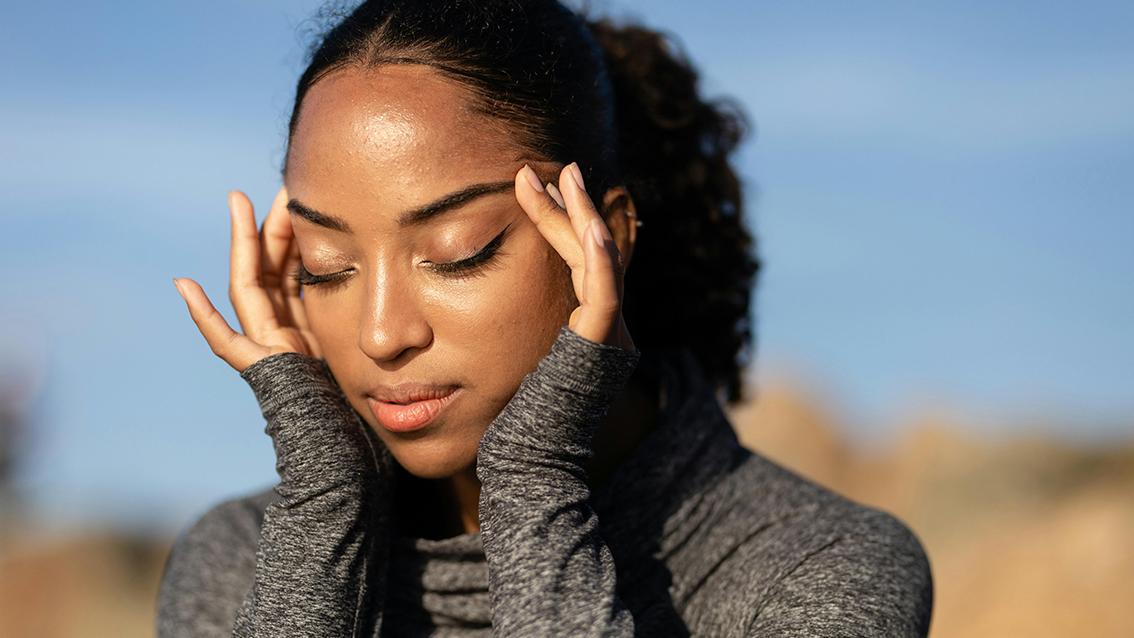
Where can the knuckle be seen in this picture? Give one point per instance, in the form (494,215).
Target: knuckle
(225,346)
(607,306)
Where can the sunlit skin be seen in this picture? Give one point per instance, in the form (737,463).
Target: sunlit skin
(371,145)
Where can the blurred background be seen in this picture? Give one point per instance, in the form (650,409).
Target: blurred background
(943,196)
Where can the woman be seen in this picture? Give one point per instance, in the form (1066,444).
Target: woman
(495,403)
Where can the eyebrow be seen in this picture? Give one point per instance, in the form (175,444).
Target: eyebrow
(415,217)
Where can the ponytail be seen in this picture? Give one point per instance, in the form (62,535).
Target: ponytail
(694,267)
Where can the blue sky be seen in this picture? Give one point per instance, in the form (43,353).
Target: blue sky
(942,195)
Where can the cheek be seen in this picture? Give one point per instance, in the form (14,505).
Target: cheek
(334,321)
(515,306)
(331,319)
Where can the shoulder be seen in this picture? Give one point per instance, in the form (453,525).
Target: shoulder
(812,562)
(210,567)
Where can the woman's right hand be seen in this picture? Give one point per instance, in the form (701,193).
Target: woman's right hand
(265,298)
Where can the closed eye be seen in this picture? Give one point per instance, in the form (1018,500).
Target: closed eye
(307,279)
(475,265)
(468,267)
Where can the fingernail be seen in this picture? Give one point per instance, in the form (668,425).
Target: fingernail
(578,175)
(177,285)
(530,175)
(556,195)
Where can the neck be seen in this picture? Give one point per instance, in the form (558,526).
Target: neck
(463,491)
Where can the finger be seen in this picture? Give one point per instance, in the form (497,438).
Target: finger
(292,288)
(253,308)
(236,349)
(276,234)
(601,303)
(275,241)
(294,301)
(582,212)
(556,195)
(580,208)
(548,217)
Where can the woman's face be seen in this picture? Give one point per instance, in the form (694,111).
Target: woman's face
(370,147)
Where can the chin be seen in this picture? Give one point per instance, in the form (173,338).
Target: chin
(433,459)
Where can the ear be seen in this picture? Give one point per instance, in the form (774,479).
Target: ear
(620,215)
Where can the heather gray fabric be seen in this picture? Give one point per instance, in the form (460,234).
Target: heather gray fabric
(691,535)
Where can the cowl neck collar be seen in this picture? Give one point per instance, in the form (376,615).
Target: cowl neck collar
(647,508)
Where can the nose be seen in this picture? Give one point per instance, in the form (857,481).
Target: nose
(392,322)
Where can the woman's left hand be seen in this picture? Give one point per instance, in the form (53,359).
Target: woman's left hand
(582,239)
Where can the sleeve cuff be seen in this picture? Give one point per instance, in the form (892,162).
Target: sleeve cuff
(285,376)
(580,365)
(557,407)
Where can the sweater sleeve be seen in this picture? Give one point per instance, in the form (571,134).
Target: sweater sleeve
(321,542)
(550,571)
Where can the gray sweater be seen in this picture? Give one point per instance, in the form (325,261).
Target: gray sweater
(691,535)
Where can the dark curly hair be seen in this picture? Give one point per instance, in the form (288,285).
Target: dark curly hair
(622,101)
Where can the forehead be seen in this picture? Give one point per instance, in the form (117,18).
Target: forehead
(399,134)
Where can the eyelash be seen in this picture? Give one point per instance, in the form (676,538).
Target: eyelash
(474,266)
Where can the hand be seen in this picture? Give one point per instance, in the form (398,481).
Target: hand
(585,243)
(266,300)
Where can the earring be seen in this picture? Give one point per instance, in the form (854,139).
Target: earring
(634,216)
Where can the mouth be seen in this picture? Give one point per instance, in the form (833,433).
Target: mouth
(412,415)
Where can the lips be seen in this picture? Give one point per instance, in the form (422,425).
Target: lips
(415,409)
